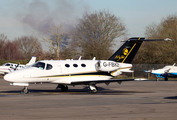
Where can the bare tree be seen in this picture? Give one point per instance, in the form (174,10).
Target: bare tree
(160,52)
(3,40)
(95,33)
(9,49)
(57,35)
(29,46)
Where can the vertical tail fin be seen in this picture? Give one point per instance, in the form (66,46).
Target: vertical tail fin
(127,51)
(32,61)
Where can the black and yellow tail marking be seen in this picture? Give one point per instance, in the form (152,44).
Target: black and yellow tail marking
(127,51)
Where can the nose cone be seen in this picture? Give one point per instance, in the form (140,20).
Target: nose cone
(18,76)
(13,76)
(9,77)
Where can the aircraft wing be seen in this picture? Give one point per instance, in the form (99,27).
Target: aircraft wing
(174,75)
(104,81)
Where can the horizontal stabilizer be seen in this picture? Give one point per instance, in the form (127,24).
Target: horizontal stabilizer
(143,39)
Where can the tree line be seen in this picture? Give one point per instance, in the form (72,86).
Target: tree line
(94,36)
(159,52)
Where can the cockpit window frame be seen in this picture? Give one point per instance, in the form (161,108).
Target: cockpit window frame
(38,65)
(7,64)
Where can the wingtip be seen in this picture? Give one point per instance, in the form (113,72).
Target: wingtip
(167,39)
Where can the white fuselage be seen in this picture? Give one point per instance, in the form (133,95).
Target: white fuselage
(67,71)
(8,67)
(166,69)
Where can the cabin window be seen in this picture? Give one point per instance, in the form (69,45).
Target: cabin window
(83,65)
(49,67)
(39,65)
(67,65)
(75,65)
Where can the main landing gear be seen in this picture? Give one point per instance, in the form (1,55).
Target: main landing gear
(25,90)
(166,78)
(64,88)
(93,88)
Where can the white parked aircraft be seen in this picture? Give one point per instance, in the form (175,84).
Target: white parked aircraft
(8,67)
(79,72)
(169,71)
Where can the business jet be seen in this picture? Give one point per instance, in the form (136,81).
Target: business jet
(9,67)
(169,71)
(80,72)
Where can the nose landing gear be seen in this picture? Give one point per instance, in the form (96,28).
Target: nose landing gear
(25,90)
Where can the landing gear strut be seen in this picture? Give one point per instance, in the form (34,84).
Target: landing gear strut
(93,88)
(25,90)
(64,88)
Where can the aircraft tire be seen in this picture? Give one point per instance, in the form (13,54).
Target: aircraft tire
(25,90)
(64,88)
(94,91)
(166,78)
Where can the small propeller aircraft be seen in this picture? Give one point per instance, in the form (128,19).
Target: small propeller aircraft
(169,71)
(9,67)
(80,72)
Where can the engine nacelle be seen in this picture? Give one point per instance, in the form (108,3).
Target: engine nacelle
(124,67)
(116,73)
(106,65)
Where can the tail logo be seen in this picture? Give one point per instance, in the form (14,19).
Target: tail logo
(125,51)
(119,57)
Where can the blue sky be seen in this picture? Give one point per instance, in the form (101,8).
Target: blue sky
(34,17)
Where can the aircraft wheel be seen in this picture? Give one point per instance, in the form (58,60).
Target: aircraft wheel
(93,89)
(64,88)
(25,90)
(166,78)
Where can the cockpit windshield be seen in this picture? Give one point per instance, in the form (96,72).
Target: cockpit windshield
(6,64)
(39,65)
